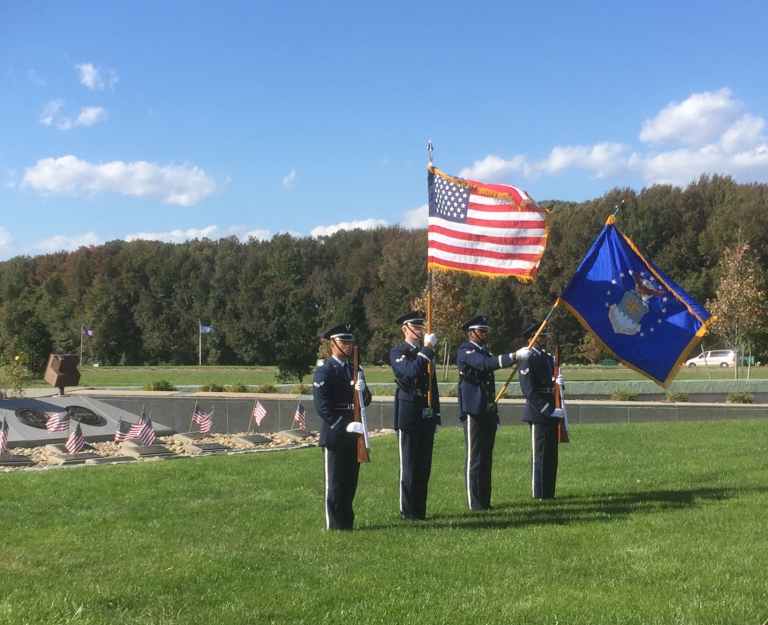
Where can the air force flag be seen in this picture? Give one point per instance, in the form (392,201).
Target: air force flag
(638,313)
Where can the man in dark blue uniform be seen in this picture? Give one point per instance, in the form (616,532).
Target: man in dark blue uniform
(416,421)
(537,381)
(333,390)
(477,407)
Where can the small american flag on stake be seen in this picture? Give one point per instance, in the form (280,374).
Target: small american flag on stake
(300,418)
(126,430)
(203,419)
(146,433)
(259,412)
(58,422)
(75,443)
(4,436)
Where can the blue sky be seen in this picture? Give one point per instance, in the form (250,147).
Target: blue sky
(171,120)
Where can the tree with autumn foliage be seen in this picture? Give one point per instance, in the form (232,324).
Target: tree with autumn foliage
(740,302)
(448,310)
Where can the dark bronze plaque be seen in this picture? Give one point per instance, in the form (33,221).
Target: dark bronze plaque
(31,417)
(84,415)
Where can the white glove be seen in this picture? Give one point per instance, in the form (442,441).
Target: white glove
(430,339)
(437,428)
(559,379)
(360,384)
(557,413)
(355,428)
(522,353)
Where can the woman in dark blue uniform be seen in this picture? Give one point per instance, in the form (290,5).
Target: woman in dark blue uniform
(537,381)
(477,407)
(333,390)
(416,421)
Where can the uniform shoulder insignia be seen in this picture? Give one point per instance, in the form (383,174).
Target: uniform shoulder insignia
(319,384)
(470,351)
(524,371)
(400,359)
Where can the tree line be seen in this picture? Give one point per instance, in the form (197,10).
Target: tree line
(270,300)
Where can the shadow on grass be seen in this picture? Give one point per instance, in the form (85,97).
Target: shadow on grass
(578,509)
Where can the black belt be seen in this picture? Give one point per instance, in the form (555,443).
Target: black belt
(546,391)
(344,406)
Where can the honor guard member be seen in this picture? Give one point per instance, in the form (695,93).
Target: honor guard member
(477,407)
(333,391)
(537,381)
(416,421)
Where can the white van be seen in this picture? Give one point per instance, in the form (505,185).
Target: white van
(716,358)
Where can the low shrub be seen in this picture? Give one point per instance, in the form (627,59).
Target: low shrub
(740,397)
(383,390)
(301,389)
(159,385)
(212,387)
(620,395)
(676,397)
(267,388)
(239,387)
(451,391)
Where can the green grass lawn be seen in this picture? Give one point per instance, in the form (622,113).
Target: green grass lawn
(254,376)
(654,523)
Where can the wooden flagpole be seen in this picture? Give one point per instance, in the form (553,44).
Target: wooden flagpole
(429,307)
(531,343)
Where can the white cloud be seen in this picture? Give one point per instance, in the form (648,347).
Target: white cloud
(496,168)
(290,180)
(366,224)
(177,236)
(700,118)
(60,242)
(88,116)
(416,218)
(97,78)
(68,175)
(6,240)
(716,138)
(603,160)
(209,232)
(260,235)
(50,110)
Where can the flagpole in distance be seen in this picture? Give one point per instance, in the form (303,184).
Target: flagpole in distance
(531,343)
(200,343)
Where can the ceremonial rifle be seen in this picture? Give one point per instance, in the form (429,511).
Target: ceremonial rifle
(562,425)
(363,443)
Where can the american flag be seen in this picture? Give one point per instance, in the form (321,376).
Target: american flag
(75,443)
(4,436)
(126,431)
(58,422)
(484,229)
(146,433)
(202,419)
(259,412)
(299,417)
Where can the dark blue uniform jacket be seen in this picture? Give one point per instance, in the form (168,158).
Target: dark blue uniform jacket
(409,364)
(333,391)
(538,386)
(477,384)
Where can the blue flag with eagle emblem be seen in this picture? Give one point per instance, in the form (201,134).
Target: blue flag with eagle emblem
(637,312)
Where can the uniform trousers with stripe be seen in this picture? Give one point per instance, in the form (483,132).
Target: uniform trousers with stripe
(341,473)
(479,438)
(415,468)
(544,458)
